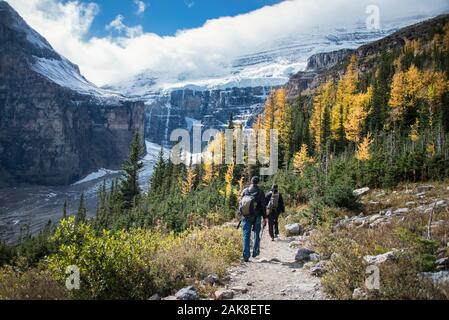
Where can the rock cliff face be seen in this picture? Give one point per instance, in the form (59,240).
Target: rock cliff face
(186,108)
(55,126)
(331,65)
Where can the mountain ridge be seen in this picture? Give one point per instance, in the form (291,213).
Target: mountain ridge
(55,125)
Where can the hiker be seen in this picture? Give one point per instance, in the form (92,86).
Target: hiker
(253,210)
(275,206)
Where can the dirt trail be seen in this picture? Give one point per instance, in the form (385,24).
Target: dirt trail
(274,275)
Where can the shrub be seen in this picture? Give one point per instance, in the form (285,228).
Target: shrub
(31,284)
(137,263)
(341,196)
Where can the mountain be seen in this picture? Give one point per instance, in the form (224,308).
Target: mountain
(330,65)
(174,101)
(55,126)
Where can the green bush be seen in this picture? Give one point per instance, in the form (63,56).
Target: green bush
(137,263)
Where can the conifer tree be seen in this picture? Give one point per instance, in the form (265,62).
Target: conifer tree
(81,214)
(129,187)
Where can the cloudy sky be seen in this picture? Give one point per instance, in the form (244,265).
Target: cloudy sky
(112,40)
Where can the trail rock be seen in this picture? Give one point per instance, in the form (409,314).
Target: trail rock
(360,192)
(240,289)
(293,229)
(212,279)
(420,195)
(315,257)
(423,188)
(442,263)
(319,269)
(359,294)
(379,259)
(188,293)
(155,297)
(224,294)
(303,255)
(401,211)
(436,278)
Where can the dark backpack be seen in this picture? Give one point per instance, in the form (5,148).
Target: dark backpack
(274,201)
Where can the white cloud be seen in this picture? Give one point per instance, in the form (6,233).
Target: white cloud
(141,6)
(196,52)
(118,25)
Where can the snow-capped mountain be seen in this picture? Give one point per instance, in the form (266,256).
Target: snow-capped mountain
(55,126)
(244,84)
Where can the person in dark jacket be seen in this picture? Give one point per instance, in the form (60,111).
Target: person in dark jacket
(253,223)
(275,206)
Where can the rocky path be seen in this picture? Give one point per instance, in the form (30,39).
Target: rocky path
(274,275)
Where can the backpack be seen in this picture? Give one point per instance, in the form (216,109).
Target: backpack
(247,206)
(273,204)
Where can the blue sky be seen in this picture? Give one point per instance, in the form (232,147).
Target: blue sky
(111,41)
(165,17)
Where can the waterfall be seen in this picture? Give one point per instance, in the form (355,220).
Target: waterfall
(167,123)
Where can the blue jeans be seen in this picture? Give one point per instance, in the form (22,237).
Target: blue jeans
(247,227)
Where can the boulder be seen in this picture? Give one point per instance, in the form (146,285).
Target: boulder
(436,278)
(423,188)
(224,294)
(318,270)
(442,263)
(240,289)
(303,255)
(155,297)
(401,211)
(360,192)
(187,293)
(359,294)
(379,259)
(212,279)
(293,229)
(315,257)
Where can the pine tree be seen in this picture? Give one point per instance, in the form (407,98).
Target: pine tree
(64,210)
(156,180)
(81,214)
(129,188)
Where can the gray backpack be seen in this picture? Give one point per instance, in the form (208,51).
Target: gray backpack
(247,205)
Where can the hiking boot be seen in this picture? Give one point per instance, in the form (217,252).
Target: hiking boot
(245,259)
(255,254)
(272,239)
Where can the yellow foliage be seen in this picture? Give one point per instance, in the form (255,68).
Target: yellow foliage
(229,177)
(283,119)
(322,103)
(187,184)
(363,152)
(301,159)
(356,116)
(347,87)
(414,131)
(413,85)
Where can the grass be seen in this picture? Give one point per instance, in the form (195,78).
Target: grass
(408,234)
